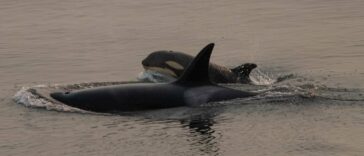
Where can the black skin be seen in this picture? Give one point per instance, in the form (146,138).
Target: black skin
(145,96)
(192,89)
(243,71)
(218,74)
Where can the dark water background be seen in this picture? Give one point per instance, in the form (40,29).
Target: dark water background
(316,46)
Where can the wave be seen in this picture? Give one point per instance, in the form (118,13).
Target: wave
(280,92)
(30,97)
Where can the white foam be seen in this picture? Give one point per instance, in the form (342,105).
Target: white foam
(259,77)
(153,76)
(26,96)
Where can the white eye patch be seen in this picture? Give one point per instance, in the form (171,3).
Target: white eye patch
(174,65)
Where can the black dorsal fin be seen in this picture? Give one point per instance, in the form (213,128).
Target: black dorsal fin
(197,71)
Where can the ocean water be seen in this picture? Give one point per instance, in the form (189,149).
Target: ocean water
(310,75)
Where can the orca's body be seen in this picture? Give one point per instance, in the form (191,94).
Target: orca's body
(173,64)
(193,89)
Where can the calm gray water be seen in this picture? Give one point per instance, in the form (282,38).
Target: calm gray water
(315,46)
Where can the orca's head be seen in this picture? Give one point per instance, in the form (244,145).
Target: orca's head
(60,96)
(244,69)
(167,62)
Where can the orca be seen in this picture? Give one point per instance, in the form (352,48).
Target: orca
(173,63)
(192,89)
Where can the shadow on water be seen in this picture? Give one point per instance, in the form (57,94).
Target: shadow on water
(202,135)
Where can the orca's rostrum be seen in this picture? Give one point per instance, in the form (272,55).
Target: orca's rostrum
(193,88)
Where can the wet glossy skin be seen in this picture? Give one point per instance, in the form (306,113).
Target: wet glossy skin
(132,97)
(173,64)
(193,88)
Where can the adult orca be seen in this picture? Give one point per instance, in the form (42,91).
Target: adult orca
(173,63)
(193,89)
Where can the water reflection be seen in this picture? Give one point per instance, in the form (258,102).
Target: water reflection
(202,135)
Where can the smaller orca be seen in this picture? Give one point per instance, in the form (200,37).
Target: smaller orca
(192,89)
(173,64)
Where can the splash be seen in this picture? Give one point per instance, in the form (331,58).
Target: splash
(260,77)
(29,97)
(152,76)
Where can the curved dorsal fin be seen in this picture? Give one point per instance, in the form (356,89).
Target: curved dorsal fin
(198,70)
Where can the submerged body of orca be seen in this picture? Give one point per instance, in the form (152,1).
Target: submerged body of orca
(193,88)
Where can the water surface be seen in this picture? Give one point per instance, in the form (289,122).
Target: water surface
(317,44)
